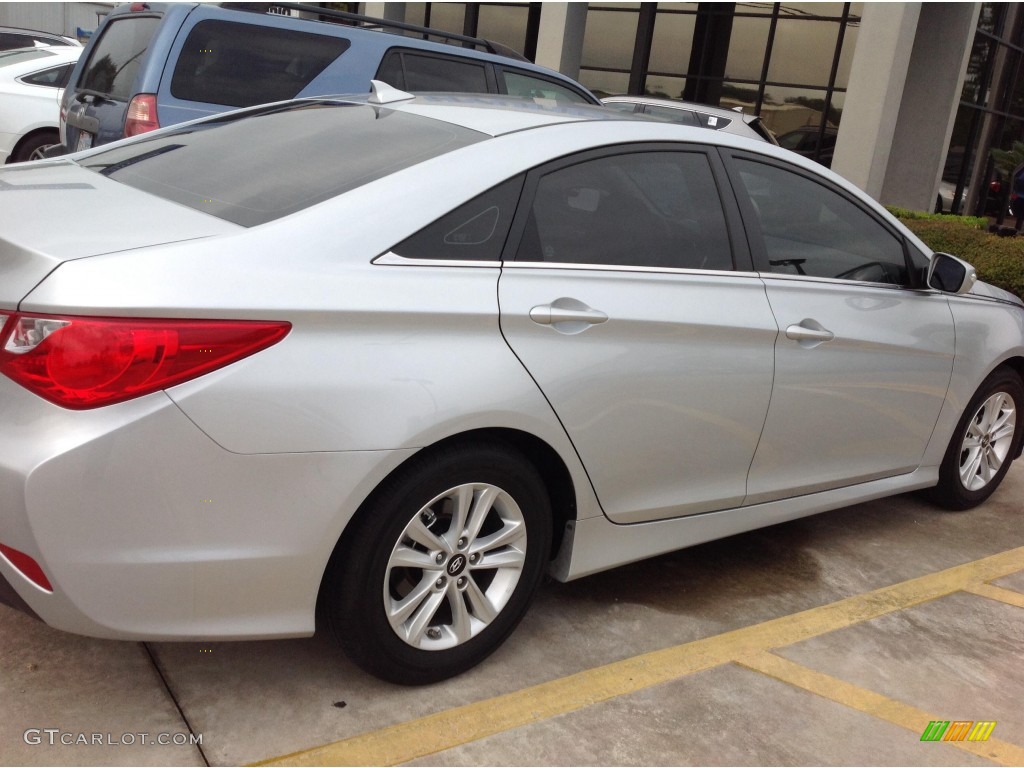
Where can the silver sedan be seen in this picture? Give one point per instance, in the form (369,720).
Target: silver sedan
(387,360)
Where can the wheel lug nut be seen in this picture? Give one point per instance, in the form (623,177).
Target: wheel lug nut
(440,582)
(462,543)
(474,558)
(433,633)
(439,558)
(461,582)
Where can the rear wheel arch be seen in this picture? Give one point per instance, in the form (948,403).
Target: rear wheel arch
(42,136)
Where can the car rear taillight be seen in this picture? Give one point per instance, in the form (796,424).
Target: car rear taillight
(88,362)
(141,116)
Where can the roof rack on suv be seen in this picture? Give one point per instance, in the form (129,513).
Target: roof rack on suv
(385,25)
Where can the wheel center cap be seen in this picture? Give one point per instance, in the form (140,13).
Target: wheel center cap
(456,565)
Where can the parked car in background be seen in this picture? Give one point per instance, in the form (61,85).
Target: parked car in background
(31,83)
(151,65)
(805,141)
(687,113)
(388,359)
(13,37)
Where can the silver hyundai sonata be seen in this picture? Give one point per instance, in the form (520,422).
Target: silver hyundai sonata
(386,360)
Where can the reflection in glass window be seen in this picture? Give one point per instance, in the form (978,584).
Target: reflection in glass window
(605,83)
(505,24)
(608,39)
(643,209)
(806,52)
(670,47)
(808,229)
(665,87)
(747,47)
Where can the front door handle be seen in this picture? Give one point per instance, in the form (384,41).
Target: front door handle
(809,330)
(552,314)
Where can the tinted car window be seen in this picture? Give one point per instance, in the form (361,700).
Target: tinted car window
(415,72)
(259,165)
(809,229)
(116,58)
(529,87)
(475,231)
(241,65)
(55,77)
(645,209)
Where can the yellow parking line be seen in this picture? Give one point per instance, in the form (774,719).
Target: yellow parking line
(997,593)
(869,702)
(451,728)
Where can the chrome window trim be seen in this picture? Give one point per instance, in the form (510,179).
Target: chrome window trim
(626,268)
(392,259)
(832,281)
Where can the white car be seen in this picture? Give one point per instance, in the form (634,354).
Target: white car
(32,81)
(384,361)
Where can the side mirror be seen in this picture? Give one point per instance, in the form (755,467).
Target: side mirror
(951,275)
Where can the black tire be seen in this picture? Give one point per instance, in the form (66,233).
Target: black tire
(421,495)
(953,492)
(32,144)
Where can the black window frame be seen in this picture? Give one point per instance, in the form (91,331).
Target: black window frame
(401,52)
(755,237)
(741,256)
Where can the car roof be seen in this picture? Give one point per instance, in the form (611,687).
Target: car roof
(13,66)
(732,114)
(57,39)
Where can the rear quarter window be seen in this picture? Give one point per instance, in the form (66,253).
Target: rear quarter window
(115,60)
(241,65)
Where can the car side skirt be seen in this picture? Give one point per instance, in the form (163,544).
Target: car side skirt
(597,544)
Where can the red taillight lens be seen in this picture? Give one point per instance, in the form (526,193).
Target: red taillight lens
(995,186)
(87,362)
(28,567)
(141,116)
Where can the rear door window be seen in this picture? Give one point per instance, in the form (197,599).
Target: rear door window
(115,61)
(241,65)
(55,77)
(528,86)
(418,72)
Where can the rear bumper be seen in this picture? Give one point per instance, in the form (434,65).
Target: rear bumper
(147,529)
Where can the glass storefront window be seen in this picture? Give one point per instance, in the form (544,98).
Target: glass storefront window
(665,87)
(505,24)
(609,38)
(605,83)
(448,16)
(670,47)
(803,51)
(796,10)
(747,47)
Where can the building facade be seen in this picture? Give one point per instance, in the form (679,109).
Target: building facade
(904,99)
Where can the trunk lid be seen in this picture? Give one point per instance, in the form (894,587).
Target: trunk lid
(57,211)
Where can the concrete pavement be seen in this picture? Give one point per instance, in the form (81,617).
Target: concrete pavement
(829,640)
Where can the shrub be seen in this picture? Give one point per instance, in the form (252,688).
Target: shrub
(999,260)
(905,214)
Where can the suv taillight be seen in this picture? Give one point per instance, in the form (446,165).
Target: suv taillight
(87,362)
(141,116)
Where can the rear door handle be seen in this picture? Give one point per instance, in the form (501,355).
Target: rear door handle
(809,330)
(550,314)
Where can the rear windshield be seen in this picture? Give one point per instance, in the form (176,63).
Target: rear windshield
(23,54)
(114,61)
(241,65)
(255,166)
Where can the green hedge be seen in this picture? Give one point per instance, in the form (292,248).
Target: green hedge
(999,260)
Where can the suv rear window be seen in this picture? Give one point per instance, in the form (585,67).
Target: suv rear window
(115,60)
(265,163)
(241,65)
